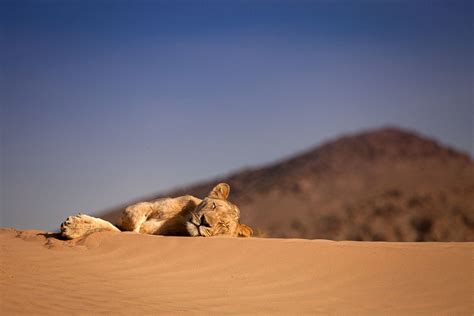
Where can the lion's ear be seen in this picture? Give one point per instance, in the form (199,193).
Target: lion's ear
(244,231)
(220,191)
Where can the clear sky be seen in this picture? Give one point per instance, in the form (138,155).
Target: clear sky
(106,101)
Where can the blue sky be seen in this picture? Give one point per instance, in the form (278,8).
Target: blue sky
(106,101)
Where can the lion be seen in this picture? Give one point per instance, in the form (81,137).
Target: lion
(179,216)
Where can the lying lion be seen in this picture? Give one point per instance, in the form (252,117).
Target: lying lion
(180,216)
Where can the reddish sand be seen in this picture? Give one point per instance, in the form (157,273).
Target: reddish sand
(126,273)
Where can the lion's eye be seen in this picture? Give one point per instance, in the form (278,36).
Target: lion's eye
(213,205)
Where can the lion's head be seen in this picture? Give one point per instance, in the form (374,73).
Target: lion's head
(215,216)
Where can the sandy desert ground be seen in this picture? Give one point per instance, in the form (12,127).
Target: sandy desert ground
(127,273)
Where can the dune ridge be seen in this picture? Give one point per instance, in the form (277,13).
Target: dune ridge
(127,273)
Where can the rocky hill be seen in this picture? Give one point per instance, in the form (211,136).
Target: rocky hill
(383,185)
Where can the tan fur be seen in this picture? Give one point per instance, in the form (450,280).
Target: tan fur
(180,216)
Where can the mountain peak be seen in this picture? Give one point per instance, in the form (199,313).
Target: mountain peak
(388,142)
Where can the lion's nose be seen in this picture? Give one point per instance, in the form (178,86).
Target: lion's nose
(204,222)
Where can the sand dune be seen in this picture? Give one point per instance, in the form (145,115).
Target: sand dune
(126,273)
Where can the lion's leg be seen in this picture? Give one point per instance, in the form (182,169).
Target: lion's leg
(135,215)
(81,225)
(151,226)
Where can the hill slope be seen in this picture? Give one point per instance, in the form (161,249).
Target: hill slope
(387,184)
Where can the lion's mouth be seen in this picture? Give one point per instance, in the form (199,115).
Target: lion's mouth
(193,229)
(198,227)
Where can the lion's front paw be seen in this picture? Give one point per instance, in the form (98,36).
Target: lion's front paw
(75,226)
